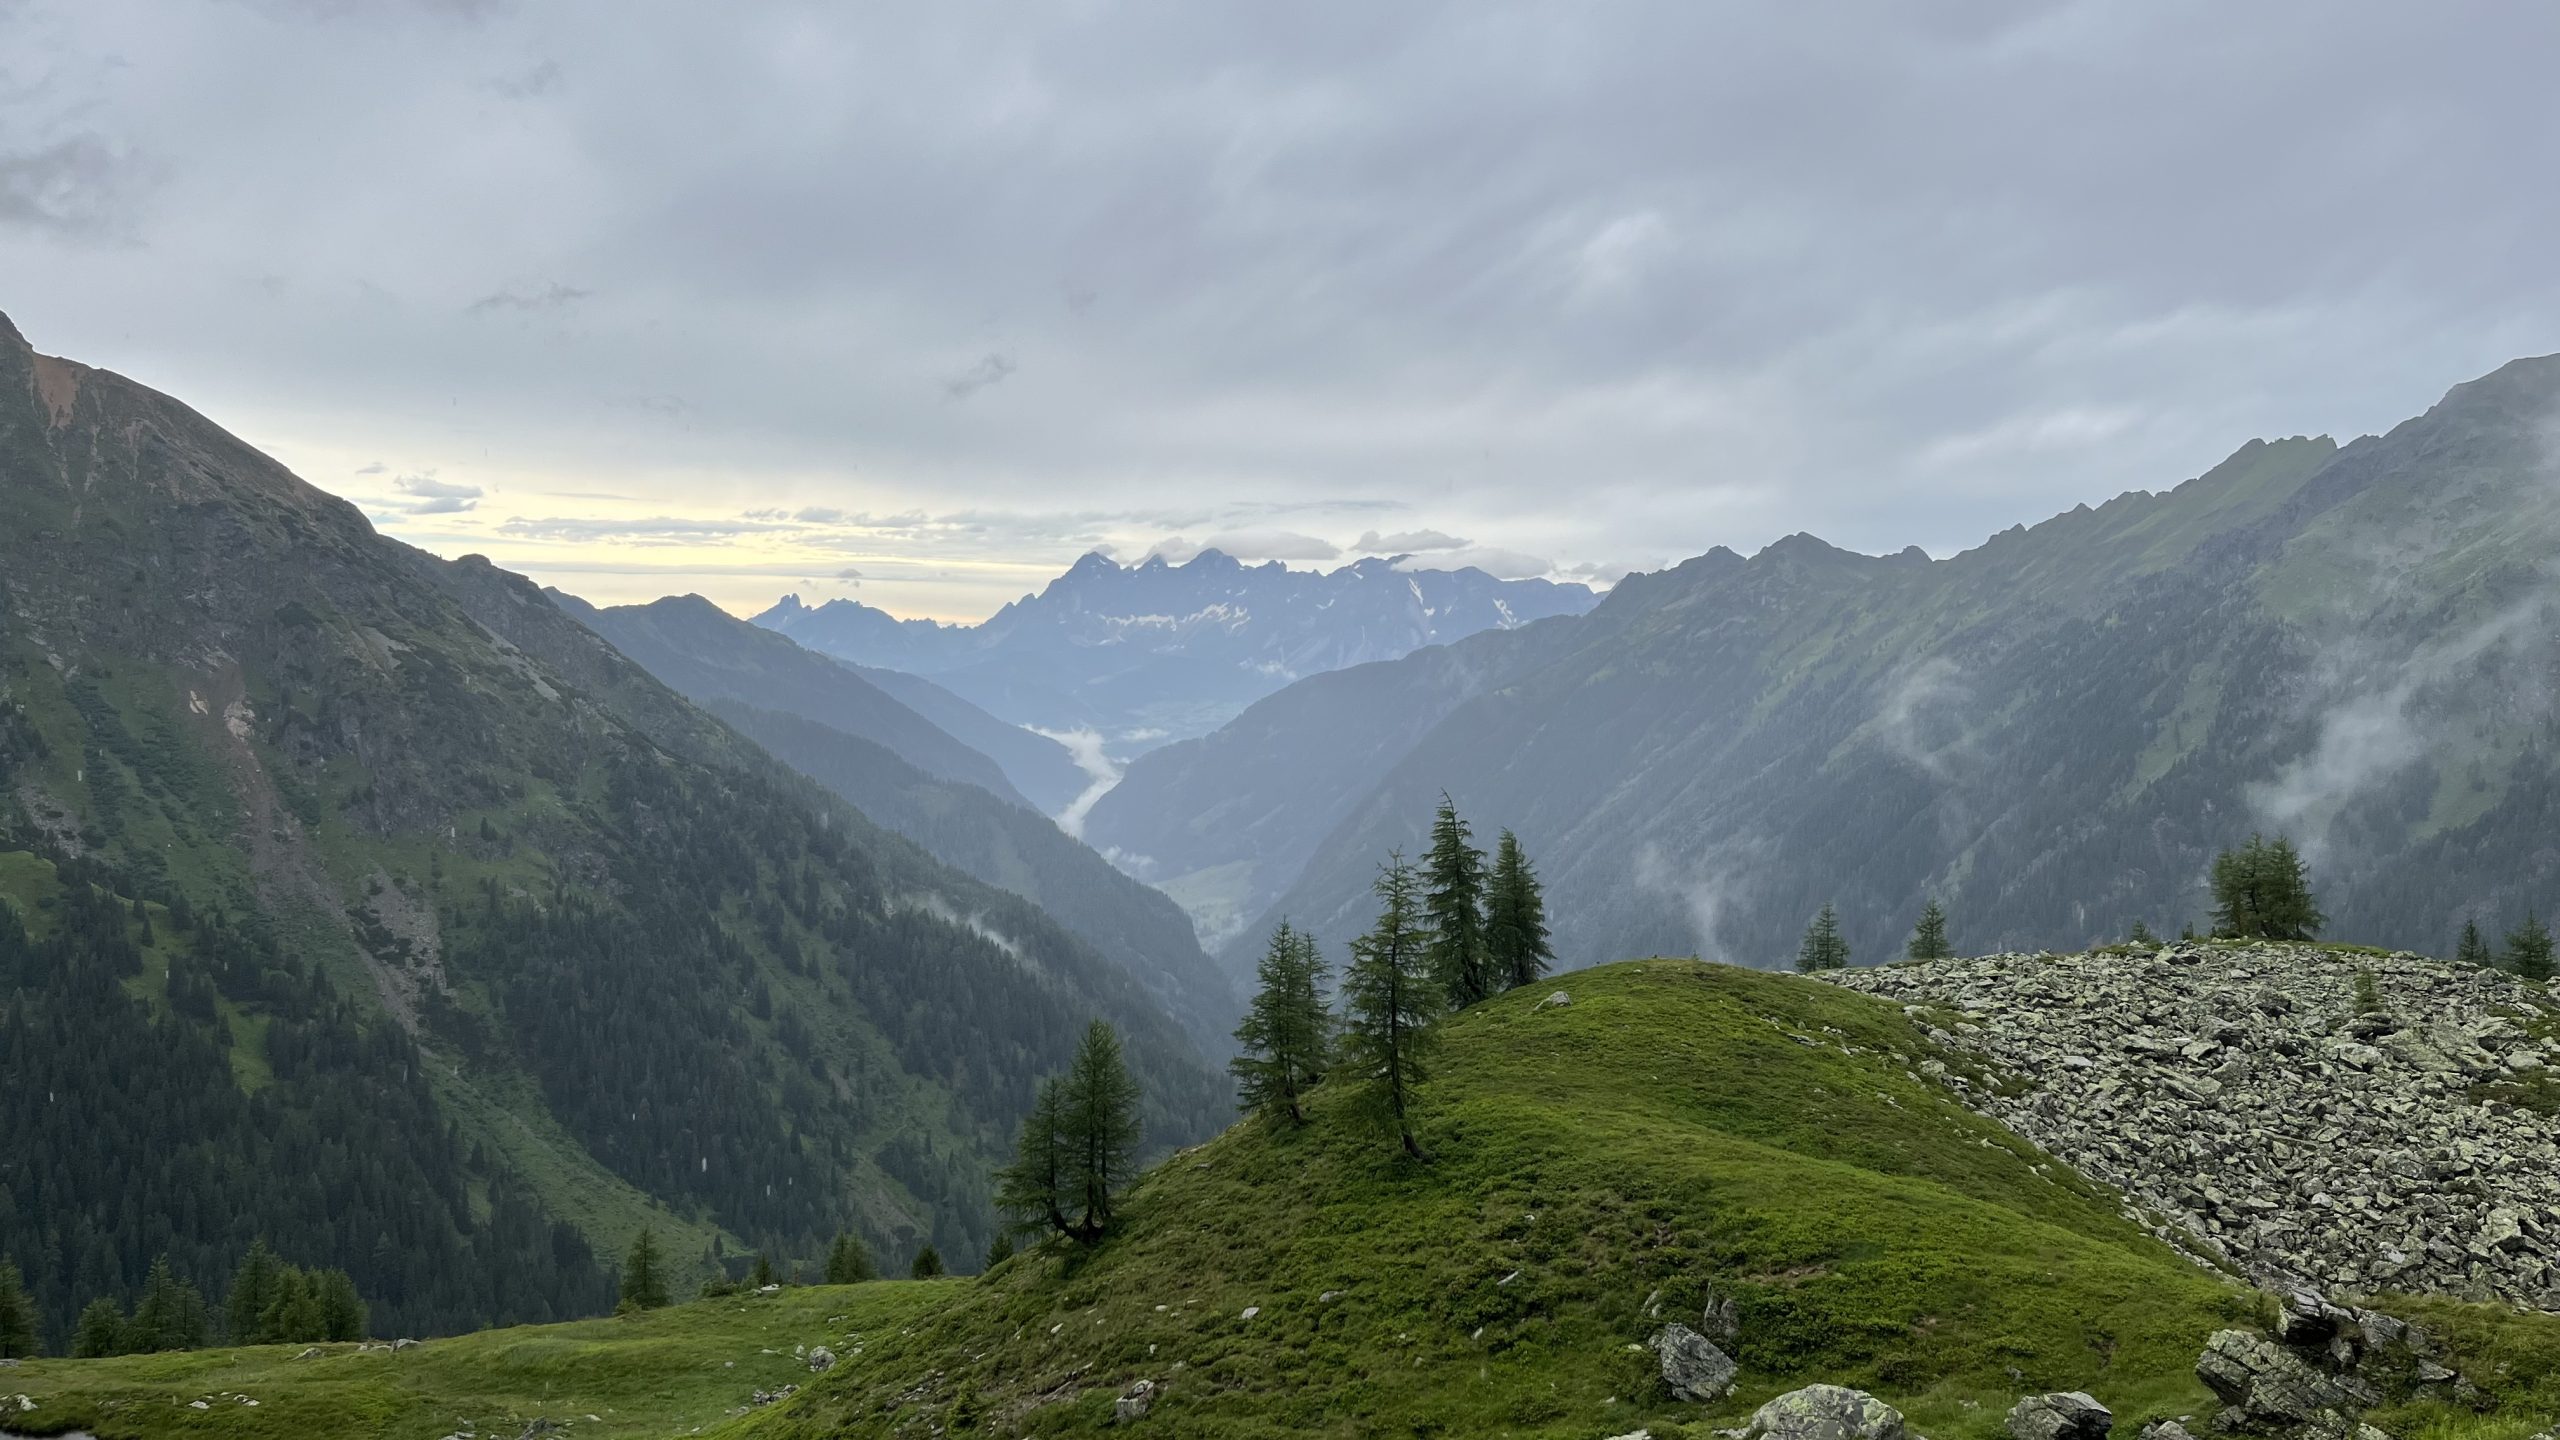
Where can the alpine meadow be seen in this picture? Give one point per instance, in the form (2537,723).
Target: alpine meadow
(1228,722)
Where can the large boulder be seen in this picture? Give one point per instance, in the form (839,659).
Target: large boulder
(1691,1364)
(2266,1383)
(1134,1402)
(2067,1415)
(1826,1412)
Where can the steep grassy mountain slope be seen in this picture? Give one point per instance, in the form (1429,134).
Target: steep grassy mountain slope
(703,653)
(1677,1134)
(662,1372)
(2051,733)
(788,699)
(644,969)
(1042,769)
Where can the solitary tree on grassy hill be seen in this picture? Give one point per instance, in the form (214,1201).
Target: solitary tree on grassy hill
(1823,947)
(2473,947)
(928,1264)
(2261,891)
(644,1279)
(1515,920)
(1283,1038)
(1102,1121)
(1390,1001)
(2529,949)
(17,1314)
(1453,907)
(1929,937)
(1078,1145)
(848,1263)
(999,1250)
(760,1274)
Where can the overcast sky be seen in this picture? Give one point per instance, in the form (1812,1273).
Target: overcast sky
(919,302)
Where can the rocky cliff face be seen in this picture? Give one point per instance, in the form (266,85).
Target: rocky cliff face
(2264,1107)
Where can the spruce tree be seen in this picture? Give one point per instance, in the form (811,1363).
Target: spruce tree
(2293,914)
(928,1264)
(2529,949)
(1929,936)
(848,1263)
(999,1250)
(253,1289)
(1516,936)
(100,1331)
(18,1328)
(1453,883)
(1390,1000)
(2141,934)
(644,1282)
(760,1274)
(1282,1041)
(1102,1128)
(1032,1191)
(1823,947)
(2473,947)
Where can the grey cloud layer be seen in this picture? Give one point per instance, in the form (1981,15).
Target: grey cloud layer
(1589,285)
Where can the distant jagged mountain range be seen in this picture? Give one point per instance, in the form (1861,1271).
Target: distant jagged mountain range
(1147,653)
(2051,733)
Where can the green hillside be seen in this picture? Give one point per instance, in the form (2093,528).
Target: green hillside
(1677,1131)
(666,1372)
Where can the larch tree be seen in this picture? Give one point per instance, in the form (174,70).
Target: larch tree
(253,1289)
(1390,999)
(2529,949)
(1516,937)
(1929,936)
(18,1328)
(1281,1044)
(2473,947)
(1453,884)
(1823,947)
(644,1279)
(1102,1127)
(1032,1191)
(2262,891)
(848,1263)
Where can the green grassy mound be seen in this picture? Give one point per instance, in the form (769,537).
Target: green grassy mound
(1678,1129)
(669,1372)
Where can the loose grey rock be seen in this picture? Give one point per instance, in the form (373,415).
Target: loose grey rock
(2065,1415)
(2256,1116)
(2166,1430)
(2265,1382)
(1691,1364)
(1826,1412)
(1559,998)
(1722,1320)
(1134,1403)
(821,1360)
